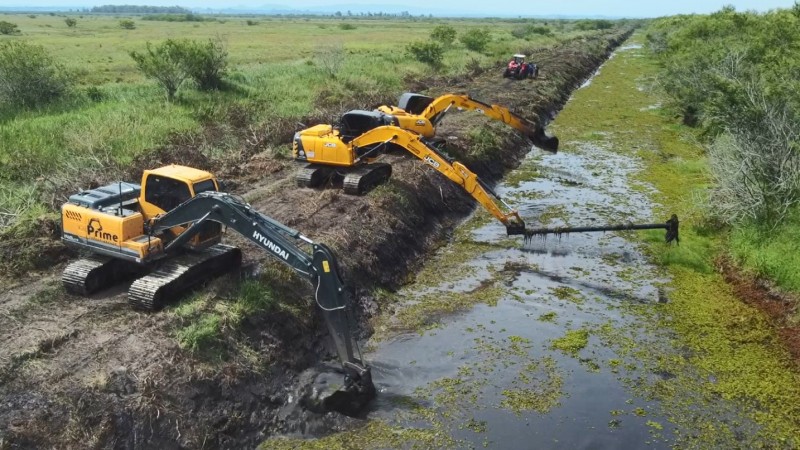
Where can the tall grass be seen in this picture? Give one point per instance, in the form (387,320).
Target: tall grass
(774,254)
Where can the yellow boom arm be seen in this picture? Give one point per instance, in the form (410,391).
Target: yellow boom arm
(442,104)
(454,170)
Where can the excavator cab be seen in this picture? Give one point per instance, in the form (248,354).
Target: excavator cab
(357,122)
(165,188)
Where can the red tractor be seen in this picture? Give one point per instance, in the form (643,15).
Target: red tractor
(519,69)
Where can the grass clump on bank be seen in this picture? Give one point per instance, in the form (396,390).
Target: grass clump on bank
(207,324)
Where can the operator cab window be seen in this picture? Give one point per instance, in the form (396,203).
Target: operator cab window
(204,186)
(166,193)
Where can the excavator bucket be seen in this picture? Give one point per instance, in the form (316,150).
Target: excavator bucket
(543,141)
(323,392)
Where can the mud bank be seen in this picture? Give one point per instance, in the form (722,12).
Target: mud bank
(90,373)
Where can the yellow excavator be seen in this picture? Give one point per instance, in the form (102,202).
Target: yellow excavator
(165,233)
(350,151)
(330,152)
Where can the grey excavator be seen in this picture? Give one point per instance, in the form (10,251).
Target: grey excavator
(166,234)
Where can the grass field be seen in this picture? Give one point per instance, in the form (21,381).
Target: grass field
(280,68)
(98,47)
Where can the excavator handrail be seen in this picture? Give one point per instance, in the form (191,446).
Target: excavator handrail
(320,266)
(453,170)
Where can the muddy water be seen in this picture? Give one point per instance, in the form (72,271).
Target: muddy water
(526,365)
(548,287)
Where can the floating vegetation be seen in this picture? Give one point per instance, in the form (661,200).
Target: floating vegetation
(538,387)
(567,293)
(573,342)
(548,317)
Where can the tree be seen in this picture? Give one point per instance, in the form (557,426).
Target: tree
(206,63)
(127,24)
(8,27)
(429,53)
(29,76)
(444,34)
(476,39)
(165,63)
(172,62)
(70,22)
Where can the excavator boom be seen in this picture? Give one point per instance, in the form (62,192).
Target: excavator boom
(437,107)
(453,170)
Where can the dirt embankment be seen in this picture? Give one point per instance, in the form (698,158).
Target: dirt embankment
(780,307)
(90,373)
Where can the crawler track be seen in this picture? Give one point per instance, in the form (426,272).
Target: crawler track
(95,273)
(362,179)
(153,291)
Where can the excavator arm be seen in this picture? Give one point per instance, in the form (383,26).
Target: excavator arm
(454,170)
(436,110)
(281,242)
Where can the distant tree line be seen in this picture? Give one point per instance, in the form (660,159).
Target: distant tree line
(189,17)
(139,9)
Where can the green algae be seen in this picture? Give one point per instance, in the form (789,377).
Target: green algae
(548,317)
(538,388)
(567,293)
(572,342)
(374,435)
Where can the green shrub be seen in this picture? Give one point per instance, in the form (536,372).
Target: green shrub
(347,26)
(29,76)
(172,62)
(189,17)
(589,25)
(251,22)
(70,22)
(530,30)
(207,63)
(444,34)
(734,75)
(127,24)
(476,39)
(8,27)
(428,52)
(165,63)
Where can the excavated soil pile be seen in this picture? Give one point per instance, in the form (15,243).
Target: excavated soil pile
(91,373)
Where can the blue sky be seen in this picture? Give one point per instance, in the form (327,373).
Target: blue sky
(615,8)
